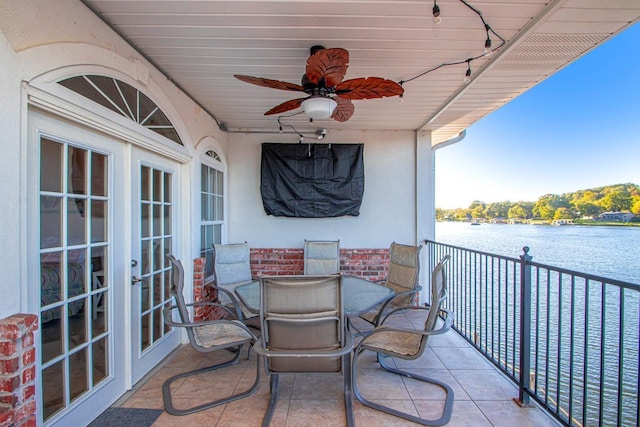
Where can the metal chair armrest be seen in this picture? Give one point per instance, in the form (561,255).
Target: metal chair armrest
(236,304)
(376,320)
(342,351)
(448,321)
(168,318)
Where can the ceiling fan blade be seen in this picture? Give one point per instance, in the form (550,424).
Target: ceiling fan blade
(274,84)
(285,106)
(344,110)
(328,64)
(368,88)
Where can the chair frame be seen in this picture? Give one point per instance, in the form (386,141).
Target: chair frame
(344,352)
(447,315)
(233,346)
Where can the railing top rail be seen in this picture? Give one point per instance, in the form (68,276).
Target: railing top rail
(587,276)
(473,250)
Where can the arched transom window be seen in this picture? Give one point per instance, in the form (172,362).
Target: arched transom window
(125,100)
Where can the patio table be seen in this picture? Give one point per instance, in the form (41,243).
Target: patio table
(359,295)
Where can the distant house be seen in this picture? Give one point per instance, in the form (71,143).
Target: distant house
(616,216)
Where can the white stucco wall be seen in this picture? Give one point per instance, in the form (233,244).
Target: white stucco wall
(388,211)
(10,205)
(39,39)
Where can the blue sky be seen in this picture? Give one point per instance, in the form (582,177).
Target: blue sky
(578,129)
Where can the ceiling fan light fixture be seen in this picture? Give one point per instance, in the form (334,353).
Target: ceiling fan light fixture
(319,107)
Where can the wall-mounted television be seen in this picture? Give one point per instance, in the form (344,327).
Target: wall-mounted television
(312,180)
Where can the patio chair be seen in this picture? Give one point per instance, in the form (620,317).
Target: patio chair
(321,256)
(231,267)
(205,337)
(303,330)
(409,344)
(402,278)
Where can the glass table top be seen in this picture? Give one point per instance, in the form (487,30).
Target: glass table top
(359,295)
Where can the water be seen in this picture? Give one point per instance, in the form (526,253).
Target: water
(612,252)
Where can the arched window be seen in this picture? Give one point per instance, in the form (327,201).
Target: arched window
(125,100)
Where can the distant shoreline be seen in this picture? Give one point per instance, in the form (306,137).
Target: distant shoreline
(549,223)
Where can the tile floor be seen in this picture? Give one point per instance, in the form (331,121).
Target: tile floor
(483,396)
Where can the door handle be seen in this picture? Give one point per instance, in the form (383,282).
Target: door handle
(134,279)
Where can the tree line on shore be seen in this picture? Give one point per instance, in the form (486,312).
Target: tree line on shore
(587,203)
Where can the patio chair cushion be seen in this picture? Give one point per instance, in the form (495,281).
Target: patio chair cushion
(231,263)
(407,344)
(209,336)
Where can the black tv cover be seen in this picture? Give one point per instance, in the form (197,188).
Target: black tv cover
(312,180)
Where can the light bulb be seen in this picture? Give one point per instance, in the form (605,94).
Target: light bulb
(467,75)
(436,14)
(487,48)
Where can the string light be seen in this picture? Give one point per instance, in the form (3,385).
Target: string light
(467,76)
(487,43)
(437,16)
(436,13)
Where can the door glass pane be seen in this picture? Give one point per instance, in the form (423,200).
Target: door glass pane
(77,183)
(145,183)
(98,221)
(76,224)
(79,375)
(50,165)
(167,188)
(100,359)
(50,221)
(74,278)
(98,174)
(77,323)
(157,185)
(53,389)
(145,219)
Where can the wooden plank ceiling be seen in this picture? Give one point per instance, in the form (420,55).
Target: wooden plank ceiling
(200,45)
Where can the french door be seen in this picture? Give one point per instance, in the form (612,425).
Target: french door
(77,227)
(98,206)
(154,227)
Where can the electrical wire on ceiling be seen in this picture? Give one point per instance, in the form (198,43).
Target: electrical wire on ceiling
(487,51)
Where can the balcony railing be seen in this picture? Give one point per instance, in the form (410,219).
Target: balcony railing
(569,340)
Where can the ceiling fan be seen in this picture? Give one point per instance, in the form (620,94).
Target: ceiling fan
(328,96)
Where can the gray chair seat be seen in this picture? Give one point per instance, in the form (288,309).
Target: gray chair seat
(220,334)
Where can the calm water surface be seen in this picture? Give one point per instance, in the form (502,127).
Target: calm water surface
(612,252)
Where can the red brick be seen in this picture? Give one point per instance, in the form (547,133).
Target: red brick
(28,392)
(8,385)
(10,400)
(28,374)
(9,366)
(30,422)
(29,357)
(7,348)
(28,340)
(10,330)
(6,417)
(22,413)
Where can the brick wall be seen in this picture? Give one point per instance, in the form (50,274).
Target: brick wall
(370,264)
(18,371)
